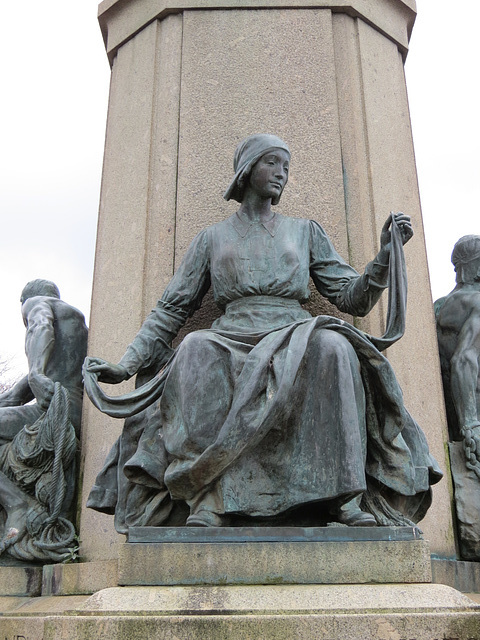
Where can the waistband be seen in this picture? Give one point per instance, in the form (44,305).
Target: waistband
(263,301)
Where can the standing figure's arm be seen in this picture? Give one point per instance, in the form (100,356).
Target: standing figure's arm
(464,370)
(39,342)
(19,394)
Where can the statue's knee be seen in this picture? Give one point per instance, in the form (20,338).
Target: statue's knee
(331,343)
(196,346)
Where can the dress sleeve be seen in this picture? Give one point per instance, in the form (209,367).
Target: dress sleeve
(182,297)
(338,281)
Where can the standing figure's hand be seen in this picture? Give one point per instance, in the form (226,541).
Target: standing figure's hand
(107,372)
(404,224)
(42,388)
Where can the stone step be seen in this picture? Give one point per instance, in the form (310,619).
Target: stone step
(283,612)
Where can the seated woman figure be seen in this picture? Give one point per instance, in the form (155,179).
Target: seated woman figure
(271,410)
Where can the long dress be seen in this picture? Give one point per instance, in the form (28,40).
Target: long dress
(269,409)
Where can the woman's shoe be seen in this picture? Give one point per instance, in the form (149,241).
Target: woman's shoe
(356,518)
(349,513)
(204,518)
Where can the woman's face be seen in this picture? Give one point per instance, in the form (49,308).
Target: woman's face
(270,174)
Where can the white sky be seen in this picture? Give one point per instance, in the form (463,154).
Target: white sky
(55,78)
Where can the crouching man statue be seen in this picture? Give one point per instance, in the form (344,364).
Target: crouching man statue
(38,440)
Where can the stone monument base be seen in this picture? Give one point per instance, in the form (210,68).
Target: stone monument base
(273,555)
(197,584)
(16,580)
(280,612)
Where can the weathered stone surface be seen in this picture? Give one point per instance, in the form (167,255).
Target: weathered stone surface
(461,575)
(38,607)
(271,600)
(303,612)
(274,563)
(79,578)
(368,612)
(22,628)
(24,618)
(20,581)
(384,626)
(394,19)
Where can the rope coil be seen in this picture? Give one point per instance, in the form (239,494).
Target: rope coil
(48,535)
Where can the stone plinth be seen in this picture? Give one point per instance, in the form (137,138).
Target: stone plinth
(79,578)
(413,608)
(20,580)
(24,618)
(189,80)
(463,576)
(303,612)
(273,555)
(213,563)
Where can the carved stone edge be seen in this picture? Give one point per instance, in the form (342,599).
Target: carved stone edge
(120,20)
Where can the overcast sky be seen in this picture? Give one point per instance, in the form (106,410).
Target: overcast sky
(55,78)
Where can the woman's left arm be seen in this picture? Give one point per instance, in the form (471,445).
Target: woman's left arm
(404,224)
(349,291)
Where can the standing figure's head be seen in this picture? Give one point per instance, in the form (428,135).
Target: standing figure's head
(39,288)
(247,155)
(466,259)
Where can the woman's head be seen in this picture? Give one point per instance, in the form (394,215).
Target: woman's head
(247,154)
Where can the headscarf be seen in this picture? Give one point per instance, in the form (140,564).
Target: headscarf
(466,251)
(247,153)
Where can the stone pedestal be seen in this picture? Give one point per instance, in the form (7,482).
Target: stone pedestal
(323,584)
(248,556)
(191,79)
(271,612)
(20,580)
(247,612)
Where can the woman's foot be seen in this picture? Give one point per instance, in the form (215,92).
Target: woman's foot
(357,518)
(350,514)
(204,518)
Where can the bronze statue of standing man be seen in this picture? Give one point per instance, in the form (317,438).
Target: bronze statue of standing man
(458,330)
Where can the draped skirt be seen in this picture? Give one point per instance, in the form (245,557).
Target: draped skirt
(269,409)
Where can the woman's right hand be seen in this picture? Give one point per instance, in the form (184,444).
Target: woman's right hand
(107,371)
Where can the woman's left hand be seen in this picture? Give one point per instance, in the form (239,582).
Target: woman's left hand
(404,224)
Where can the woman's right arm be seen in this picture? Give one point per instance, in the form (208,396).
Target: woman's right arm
(182,297)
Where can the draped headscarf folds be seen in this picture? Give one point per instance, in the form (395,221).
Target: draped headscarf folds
(466,249)
(465,256)
(247,154)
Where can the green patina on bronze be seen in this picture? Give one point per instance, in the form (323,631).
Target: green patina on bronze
(270,416)
(38,440)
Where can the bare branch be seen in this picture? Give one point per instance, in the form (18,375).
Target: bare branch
(7,379)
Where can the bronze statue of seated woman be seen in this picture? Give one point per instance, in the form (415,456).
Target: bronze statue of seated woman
(271,415)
